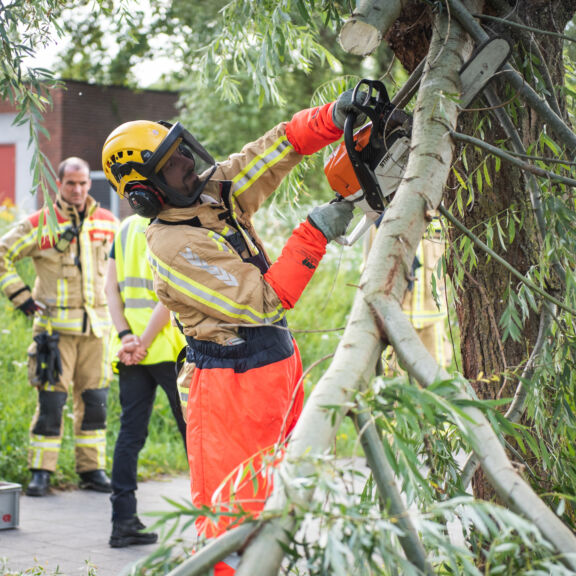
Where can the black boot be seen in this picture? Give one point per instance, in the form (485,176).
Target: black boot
(95,480)
(39,483)
(129,533)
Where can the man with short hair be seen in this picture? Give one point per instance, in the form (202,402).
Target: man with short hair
(69,352)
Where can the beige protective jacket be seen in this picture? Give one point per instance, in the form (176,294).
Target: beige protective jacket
(198,272)
(70,283)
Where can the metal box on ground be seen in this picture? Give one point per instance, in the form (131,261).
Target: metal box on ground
(9,504)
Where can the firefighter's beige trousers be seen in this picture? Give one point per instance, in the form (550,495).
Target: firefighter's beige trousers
(86,373)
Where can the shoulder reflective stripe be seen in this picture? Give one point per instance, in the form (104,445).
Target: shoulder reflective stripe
(260,164)
(23,242)
(213,299)
(216,271)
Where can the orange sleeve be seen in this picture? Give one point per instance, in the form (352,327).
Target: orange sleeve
(298,261)
(312,129)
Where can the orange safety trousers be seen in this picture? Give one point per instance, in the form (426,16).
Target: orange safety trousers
(237,423)
(236,426)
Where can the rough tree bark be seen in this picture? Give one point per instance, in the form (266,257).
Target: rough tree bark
(479,304)
(483,350)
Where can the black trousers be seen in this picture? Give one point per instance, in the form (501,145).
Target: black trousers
(138,385)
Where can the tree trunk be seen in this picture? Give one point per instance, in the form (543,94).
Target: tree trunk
(484,352)
(479,302)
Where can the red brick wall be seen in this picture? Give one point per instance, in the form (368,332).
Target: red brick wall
(82,115)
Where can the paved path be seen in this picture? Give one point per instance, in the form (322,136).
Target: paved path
(67,532)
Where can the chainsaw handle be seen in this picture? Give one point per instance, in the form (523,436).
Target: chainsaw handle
(372,101)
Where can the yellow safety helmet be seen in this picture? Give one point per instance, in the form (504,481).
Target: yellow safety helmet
(135,153)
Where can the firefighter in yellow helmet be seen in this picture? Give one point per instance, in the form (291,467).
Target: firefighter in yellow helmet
(69,353)
(211,270)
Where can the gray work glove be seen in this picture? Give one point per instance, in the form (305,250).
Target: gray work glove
(344,106)
(332,219)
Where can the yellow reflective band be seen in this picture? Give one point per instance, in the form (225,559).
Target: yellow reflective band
(88,264)
(45,442)
(9,278)
(251,246)
(218,240)
(74,324)
(94,442)
(274,154)
(212,299)
(22,243)
(61,288)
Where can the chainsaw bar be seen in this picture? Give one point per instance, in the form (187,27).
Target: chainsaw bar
(481,67)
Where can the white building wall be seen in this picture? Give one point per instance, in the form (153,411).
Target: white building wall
(19,136)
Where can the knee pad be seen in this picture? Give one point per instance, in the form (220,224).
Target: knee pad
(50,406)
(94,409)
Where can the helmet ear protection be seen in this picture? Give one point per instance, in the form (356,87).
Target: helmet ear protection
(144,199)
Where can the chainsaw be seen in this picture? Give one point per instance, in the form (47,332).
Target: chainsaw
(368,166)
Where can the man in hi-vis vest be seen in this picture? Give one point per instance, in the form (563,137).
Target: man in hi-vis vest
(148,347)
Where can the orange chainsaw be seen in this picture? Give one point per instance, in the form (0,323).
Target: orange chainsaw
(367,167)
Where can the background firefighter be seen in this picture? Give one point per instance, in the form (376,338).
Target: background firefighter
(67,300)
(211,270)
(148,346)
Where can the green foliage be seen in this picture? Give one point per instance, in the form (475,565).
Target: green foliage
(349,529)
(25,27)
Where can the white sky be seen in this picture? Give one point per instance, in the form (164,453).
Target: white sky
(146,73)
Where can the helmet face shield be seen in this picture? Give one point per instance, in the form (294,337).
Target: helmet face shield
(137,151)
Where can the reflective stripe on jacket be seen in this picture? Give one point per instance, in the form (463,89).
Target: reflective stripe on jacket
(70,283)
(136,284)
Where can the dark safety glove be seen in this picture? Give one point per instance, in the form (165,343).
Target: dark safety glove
(29,307)
(331,219)
(344,106)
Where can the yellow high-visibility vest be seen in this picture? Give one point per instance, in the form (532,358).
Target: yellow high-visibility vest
(137,290)
(419,302)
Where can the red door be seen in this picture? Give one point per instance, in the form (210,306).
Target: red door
(7,174)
